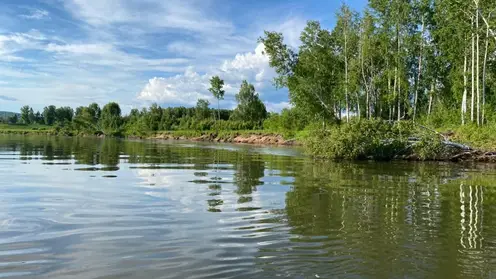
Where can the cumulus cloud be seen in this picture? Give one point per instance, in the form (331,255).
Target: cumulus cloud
(185,89)
(110,50)
(252,66)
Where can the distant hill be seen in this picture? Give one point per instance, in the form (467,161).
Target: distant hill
(7,114)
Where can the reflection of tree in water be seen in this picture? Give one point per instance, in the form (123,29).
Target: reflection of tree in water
(45,147)
(250,169)
(215,199)
(110,152)
(393,219)
(86,151)
(369,219)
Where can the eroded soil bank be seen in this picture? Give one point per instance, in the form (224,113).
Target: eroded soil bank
(262,139)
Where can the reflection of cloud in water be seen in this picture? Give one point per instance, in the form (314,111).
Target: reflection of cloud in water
(194,192)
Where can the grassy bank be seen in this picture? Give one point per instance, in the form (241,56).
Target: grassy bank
(27,129)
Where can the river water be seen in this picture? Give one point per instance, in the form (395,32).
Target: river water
(93,208)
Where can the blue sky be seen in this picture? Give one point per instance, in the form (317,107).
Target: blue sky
(136,52)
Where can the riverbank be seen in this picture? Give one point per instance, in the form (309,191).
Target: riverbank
(381,140)
(246,137)
(241,137)
(359,140)
(27,129)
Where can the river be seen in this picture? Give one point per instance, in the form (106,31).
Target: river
(103,208)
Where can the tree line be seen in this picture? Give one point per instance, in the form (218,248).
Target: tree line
(431,60)
(250,113)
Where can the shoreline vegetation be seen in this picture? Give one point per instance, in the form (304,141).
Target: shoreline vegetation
(412,80)
(358,140)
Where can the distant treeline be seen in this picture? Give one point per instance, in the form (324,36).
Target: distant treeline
(250,114)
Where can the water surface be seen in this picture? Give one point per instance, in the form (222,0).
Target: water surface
(92,208)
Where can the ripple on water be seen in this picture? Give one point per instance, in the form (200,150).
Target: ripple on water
(155,210)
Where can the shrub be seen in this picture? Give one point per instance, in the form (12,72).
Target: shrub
(366,139)
(429,147)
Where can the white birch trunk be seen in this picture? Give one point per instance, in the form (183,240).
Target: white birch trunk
(346,74)
(484,77)
(472,102)
(431,96)
(478,65)
(464,98)
(419,70)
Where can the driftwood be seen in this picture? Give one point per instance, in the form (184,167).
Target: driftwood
(454,151)
(446,142)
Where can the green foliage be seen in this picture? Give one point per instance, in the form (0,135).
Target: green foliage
(152,117)
(476,137)
(250,108)
(441,117)
(6,114)
(288,122)
(430,147)
(25,115)
(398,60)
(202,110)
(49,115)
(216,87)
(13,119)
(373,139)
(31,116)
(190,123)
(111,119)
(64,115)
(95,111)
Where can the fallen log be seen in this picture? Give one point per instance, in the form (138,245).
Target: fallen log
(464,156)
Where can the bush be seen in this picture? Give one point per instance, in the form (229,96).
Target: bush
(442,117)
(288,122)
(365,139)
(430,147)
(235,125)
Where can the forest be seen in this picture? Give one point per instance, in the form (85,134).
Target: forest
(397,60)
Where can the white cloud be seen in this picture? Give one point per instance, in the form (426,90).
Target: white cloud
(186,88)
(104,54)
(252,66)
(175,14)
(118,46)
(291,29)
(11,43)
(277,107)
(36,14)
(12,58)
(251,60)
(80,48)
